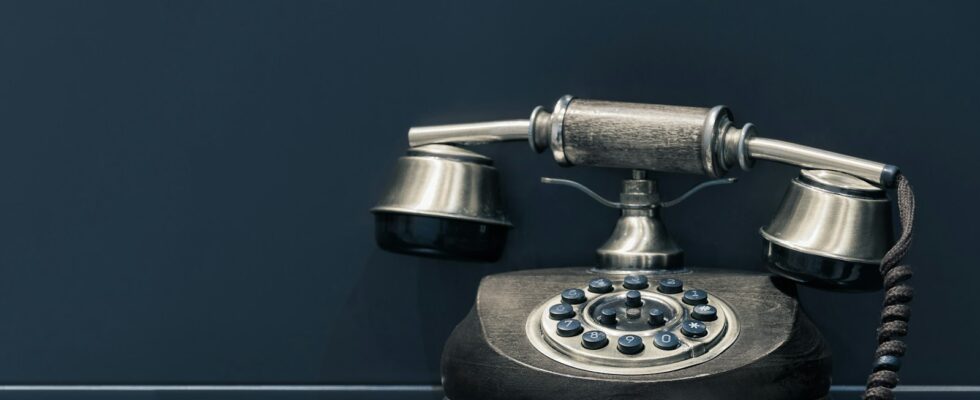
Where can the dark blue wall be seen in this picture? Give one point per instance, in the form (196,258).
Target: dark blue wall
(185,185)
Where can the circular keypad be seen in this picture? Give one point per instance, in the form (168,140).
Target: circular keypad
(629,327)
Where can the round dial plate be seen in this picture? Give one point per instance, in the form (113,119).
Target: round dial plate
(542,330)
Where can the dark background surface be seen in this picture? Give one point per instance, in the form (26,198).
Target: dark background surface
(186,184)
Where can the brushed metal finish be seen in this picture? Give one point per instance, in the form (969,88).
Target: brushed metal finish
(837,180)
(640,241)
(818,219)
(722,333)
(638,136)
(649,137)
(445,181)
(472,133)
(813,158)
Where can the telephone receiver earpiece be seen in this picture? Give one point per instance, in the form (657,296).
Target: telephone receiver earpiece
(830,232)
(443,202)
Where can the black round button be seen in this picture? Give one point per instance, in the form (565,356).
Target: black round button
(634,299)
(666,341)
(593,340)
(670,285)
(635,282)
(607,316)
(657,317)
(695,297)
(569,327)
(630,344)
(573,296)
(694,329)
(561,311)
(600,285)
(705,312)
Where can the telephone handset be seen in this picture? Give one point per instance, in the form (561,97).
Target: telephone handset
(640,319)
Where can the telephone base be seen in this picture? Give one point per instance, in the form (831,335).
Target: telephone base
(777,354)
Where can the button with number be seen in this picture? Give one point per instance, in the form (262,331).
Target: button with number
(635,282)
(573,296)
(569,327)
(600,285)
(607,316)
(705,312)
(634,299)
(670,285)
(561,311)
(594,340)
(630,344)
(695,297)
(666,341)
(693,328)
(656,317)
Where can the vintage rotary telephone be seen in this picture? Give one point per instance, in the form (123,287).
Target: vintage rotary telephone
(640,323)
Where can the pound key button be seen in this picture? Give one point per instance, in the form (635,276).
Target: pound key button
(694,329)
(594,340)
(666,341)
(695,297)
(630,344)
(561,311)
(635,282)
(573,296)
(569,327)
(600,285)
(670,286)
(705,312)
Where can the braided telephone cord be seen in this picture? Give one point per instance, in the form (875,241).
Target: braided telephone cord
(895,311)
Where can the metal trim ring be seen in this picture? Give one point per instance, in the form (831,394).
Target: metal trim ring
(814,252)
(708,142)
(541,341)
(530,128)
(557,124)
(744,161)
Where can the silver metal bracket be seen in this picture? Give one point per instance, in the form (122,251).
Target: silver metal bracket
(640,240)
(612,204)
